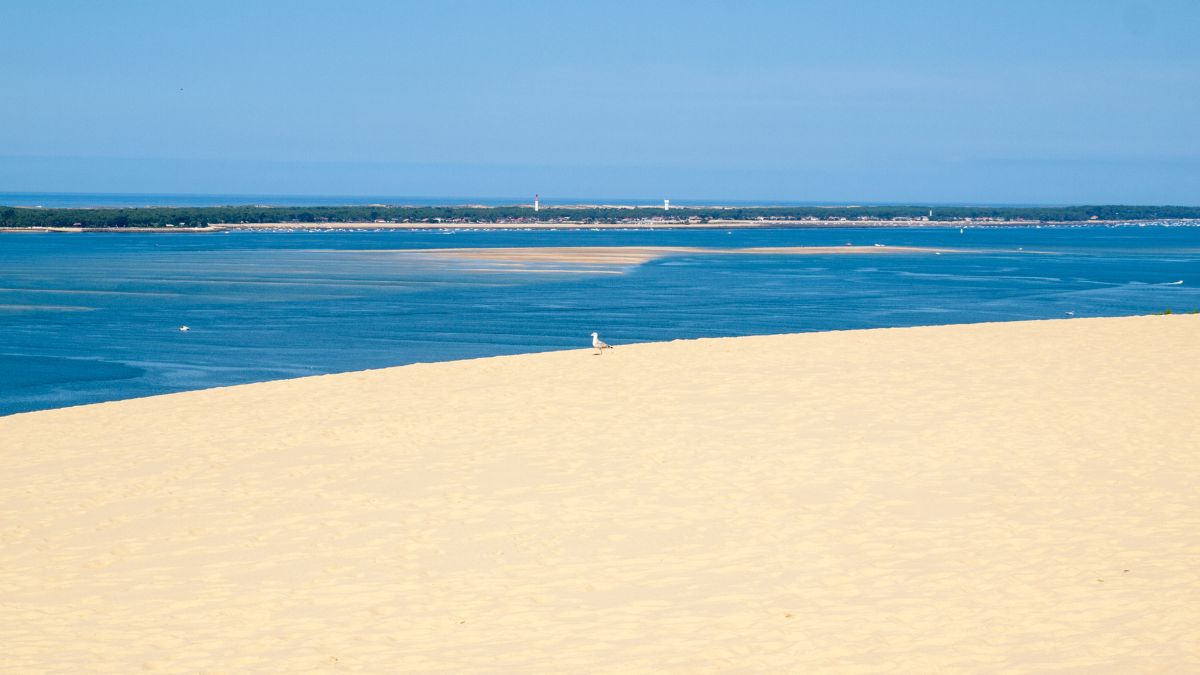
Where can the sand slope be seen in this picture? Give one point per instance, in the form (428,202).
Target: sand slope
(1018,497)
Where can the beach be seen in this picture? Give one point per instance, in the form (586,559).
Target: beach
(996,497)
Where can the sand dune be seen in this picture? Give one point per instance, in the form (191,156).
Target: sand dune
(990,498)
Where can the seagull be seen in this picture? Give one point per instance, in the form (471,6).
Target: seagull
(184,329)
(599,345)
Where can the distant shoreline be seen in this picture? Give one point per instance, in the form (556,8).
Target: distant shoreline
(651,225)
(581,217)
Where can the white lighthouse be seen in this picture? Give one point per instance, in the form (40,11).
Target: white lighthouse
(666,205)
(536,206)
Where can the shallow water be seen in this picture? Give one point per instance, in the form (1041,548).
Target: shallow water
(95,317)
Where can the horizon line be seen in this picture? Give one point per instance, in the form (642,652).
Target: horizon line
(448,200)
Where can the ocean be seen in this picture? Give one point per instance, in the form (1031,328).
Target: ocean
(96,316)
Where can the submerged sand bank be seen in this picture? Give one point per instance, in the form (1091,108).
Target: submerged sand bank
(965,498)
(636,255)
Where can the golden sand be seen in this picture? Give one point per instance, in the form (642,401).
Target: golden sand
(1019,497)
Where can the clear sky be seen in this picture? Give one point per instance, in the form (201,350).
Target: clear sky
(1000,101)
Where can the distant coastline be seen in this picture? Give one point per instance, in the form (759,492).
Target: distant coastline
(219,218)
(651,225)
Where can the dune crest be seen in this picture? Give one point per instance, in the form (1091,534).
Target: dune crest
(976,498)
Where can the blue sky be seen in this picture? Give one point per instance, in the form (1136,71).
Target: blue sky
(957,101)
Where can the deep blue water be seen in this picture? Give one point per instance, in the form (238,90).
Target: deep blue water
(94,317)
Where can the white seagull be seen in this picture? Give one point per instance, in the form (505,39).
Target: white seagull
(184,329)
(599,345)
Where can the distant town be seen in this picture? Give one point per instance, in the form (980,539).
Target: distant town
(381,215)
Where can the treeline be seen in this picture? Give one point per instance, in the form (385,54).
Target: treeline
(233,215)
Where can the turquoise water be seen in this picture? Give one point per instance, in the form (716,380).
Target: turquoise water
(95,317)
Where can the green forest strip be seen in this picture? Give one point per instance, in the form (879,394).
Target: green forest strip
(144,217)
